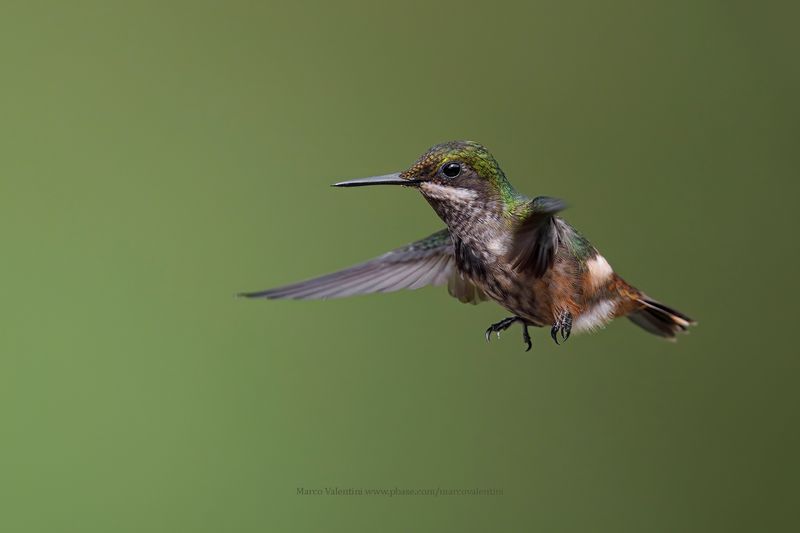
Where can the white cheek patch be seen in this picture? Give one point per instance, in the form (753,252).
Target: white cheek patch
(595,317)
(599,270)
(453,194)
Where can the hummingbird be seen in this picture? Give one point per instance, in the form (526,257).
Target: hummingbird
(497,245)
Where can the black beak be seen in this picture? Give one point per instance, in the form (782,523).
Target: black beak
(388,179)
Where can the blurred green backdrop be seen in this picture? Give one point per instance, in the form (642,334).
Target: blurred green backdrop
(158,157)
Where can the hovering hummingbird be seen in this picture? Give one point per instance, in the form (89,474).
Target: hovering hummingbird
(498,245)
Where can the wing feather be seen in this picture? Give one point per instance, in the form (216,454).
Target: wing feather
(429,261)
(536,238)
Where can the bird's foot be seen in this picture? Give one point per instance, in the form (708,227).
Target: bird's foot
(563,325)
(504,325)
(500,326)
(526,338)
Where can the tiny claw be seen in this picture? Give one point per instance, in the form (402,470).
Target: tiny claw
(563,324)
(526,337)
(553,334)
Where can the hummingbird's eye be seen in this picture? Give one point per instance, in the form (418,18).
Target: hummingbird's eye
(451,170)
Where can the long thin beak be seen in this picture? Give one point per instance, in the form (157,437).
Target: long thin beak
(388,179)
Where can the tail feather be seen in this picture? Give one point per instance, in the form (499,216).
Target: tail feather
(658,319)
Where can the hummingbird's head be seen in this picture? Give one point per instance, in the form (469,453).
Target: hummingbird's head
(449,172)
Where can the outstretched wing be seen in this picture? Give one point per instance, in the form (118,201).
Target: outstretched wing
(536,239)
(429,261)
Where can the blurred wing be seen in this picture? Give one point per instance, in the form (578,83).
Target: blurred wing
(536,238)
(429,261)
(463,289)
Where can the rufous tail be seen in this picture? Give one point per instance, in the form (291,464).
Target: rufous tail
(659,319)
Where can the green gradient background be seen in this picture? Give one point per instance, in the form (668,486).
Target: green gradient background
(158,157)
